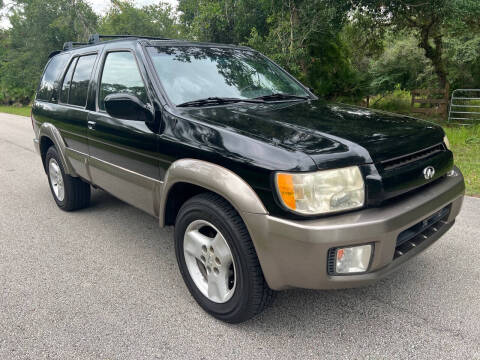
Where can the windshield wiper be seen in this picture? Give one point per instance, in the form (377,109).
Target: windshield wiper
(217,101)
(281,96)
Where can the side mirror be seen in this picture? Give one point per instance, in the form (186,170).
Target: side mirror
(128,107)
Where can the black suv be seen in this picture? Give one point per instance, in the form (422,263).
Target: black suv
(268,186)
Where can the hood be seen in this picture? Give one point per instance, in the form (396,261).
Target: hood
(331,134)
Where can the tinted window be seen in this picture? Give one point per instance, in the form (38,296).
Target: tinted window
(192,73)
(80,80)
(67,80)
(121,75)
(52,72)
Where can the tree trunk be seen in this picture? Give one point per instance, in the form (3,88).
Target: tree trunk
(292,17)
(434,54)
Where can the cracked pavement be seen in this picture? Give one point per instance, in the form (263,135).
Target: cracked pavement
(102,283)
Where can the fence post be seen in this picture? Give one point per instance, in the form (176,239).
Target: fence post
(446,97)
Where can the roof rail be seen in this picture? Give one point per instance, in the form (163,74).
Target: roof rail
(53,53)
(70,44)
(95,38)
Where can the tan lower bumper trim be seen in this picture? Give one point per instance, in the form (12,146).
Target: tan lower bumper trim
(294,253)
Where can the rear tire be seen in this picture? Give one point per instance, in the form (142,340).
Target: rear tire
(70,193)
(220,265)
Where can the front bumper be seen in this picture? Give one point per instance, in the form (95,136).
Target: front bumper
(294,253)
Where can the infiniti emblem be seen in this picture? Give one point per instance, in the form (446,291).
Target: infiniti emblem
(429,172)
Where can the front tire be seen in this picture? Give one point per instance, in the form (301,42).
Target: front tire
(218,261)
(70,193)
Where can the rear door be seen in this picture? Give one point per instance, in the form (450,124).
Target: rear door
(123,153)
(72,112)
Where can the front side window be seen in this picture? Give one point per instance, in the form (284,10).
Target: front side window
(121,75)
(54,67)
(189,73)
(80,80)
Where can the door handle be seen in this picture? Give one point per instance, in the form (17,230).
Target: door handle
(91,125)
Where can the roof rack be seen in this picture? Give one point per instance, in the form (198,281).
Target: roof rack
(95,38)
(70,44)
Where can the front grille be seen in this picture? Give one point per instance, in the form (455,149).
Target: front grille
(418,233)
(407,159)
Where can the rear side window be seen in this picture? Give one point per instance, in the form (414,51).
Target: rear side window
(80,80)
(50,77)
(67,81)
(121,75)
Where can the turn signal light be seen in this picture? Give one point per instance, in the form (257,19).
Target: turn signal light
(286,190)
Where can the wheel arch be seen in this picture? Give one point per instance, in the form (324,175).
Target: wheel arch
(49,135)
(188,177)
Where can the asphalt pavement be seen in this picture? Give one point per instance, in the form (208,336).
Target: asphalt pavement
(102,283)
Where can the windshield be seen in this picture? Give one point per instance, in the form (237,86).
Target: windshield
(191,73)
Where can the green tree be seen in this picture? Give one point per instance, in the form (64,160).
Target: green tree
(301,35)
(37,28)
(225,21)
(463,60)
(430,22)
(304,37)
(402,65)
(126,19)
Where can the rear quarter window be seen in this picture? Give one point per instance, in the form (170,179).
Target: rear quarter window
(50,77)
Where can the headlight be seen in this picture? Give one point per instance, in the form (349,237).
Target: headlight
(322,192)
(446,142)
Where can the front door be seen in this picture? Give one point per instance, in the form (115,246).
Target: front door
(123,153)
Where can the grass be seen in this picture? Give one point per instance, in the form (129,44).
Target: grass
(465,143)
(23,111)
(464,140)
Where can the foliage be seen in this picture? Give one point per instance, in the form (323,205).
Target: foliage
(224,21)
(463,60)
(340,48)
(430,22)
(300,35)
(126,19)
(37,28)
(401,65)
(395,101)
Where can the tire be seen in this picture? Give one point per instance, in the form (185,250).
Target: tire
(70,193)
(246,293)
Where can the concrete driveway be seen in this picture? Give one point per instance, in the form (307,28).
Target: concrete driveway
(102,283)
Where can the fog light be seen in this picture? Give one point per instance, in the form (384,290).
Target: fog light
(452,173)
(353,259)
